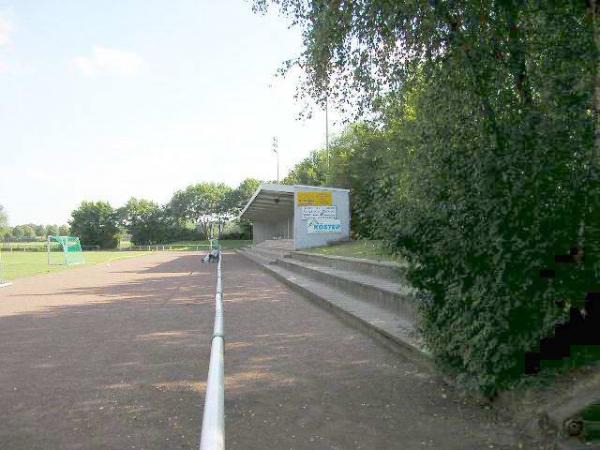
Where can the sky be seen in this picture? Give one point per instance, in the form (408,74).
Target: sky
(109,100)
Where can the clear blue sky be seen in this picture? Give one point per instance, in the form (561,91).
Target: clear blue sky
(107,100)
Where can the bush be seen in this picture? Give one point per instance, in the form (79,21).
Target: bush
(487,189)
(481,173)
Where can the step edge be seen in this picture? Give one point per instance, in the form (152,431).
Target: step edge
(395,343)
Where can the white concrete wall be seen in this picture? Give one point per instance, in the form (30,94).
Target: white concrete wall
(263,230)
(303,239)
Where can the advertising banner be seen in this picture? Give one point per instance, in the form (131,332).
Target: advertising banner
(319,212)
(315,198)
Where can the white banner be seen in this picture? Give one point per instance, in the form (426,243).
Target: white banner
(324,226)
(319,212)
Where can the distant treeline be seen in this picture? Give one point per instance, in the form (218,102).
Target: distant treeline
(31,232)
(199,212)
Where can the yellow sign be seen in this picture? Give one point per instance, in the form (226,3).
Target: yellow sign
(315,198)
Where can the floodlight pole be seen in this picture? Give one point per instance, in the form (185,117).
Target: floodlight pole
(276,151)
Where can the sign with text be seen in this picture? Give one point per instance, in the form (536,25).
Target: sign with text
(324,226)
(319,212)
(315,198)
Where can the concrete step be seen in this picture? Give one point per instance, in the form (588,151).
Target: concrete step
(271,254)
(383,269)
(254,256)
(277,244)
(385,293)
(392,329)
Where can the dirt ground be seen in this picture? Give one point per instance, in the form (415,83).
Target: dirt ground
(115,356)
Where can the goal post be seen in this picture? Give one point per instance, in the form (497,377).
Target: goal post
(64,250)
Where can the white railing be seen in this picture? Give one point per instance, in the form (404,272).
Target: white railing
(213,422)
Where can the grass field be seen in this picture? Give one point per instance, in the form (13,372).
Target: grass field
(21,264)
(24,264)
(364,249)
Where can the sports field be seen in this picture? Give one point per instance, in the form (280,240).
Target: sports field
(24,264)
(19,264)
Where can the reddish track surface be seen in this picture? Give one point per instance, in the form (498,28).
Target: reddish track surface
(115,357)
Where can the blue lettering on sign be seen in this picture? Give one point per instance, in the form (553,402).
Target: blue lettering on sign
(329,226)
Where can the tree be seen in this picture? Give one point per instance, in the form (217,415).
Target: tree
(311,171)
(4,229)
(237,200)
(17,232)
(40,230)
(64,230)
(205,204)
(28,231)
(52,230)
(145,221)
(95,223)
(3,217)
(239,196)
(484,159)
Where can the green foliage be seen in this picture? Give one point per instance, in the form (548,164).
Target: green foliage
(4,229)
(190,215)
(356,160)
(3,217)
(204,204)
(146,221)
(29,263)
(30,232)
(23,232)
(40,230)
(95,223)
(312,171)
(53,230)
(209,205)
(238,197)
(481,165)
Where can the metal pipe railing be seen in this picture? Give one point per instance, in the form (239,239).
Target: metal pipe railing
(213,422)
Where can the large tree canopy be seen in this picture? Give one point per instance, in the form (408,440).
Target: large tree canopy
(480,165)
(95,223)
(206,204)
(144,220)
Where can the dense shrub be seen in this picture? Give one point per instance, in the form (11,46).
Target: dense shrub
(482,170)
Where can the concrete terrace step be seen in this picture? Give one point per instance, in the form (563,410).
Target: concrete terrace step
(393,329)
(251,254)
(270,254)
(277,244)
(387,294)
(383,269)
